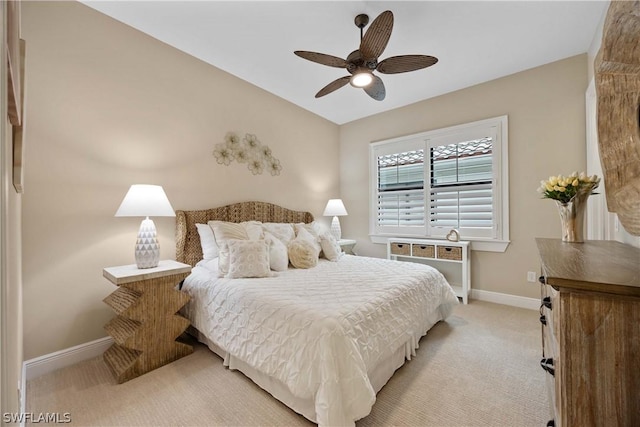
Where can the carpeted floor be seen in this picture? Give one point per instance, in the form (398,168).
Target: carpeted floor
(478,368)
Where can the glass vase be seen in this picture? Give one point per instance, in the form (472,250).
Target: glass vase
(572,218)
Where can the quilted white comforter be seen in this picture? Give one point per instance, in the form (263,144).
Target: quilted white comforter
(319,331)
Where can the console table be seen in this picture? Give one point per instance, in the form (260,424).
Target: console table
(450,258)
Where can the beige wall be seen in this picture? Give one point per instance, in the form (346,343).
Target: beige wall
(110,107)
(546,110)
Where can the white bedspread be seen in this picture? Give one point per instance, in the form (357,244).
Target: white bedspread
(319,331)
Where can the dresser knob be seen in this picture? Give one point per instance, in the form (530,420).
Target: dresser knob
(547,365)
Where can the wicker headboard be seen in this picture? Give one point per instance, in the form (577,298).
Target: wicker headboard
(188,248)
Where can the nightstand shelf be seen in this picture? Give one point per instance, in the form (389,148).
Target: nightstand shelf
(450,258)
(146,324)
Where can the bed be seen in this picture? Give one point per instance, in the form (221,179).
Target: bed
(322,340)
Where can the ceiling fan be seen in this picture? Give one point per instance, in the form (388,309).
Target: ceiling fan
(363,62)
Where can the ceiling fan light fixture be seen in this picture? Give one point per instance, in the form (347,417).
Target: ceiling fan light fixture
(361,79)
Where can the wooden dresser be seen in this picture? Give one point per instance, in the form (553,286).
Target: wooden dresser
(590,317)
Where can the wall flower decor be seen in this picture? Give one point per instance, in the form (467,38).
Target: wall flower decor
(249,150)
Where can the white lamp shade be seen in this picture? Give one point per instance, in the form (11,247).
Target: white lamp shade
(145,200)
(335,207)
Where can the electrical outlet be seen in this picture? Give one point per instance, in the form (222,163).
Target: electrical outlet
(531,276)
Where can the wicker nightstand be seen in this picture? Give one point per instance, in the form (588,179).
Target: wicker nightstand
(146,326)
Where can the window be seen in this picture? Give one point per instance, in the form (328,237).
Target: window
(401,189)
(426,184)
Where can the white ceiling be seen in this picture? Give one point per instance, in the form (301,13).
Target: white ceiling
(475,41)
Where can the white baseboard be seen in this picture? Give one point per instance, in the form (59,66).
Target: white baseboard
(506,299)
(33,368)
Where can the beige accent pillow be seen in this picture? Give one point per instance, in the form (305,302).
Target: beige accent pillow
(278,255)
(224,231)
(303,253)
(248,258)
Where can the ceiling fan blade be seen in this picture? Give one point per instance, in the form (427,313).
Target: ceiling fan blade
(405,63)
(321,58)
(376,89)
(377,36)
(334,85)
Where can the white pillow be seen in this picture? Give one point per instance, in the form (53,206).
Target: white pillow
(278,255)
(207,241)
(330,247)
(302,252)
(248,258)
(283,231)
(254,229)
(314,227)
(210,265)
(319,228)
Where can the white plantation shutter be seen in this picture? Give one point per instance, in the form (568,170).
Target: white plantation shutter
(400,189)
(401,208)
(461,195)
(427,184)
(462,207)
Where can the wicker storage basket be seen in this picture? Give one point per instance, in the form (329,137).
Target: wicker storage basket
(400,249)
(450,252)
(424,251)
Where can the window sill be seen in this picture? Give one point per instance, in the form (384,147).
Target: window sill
(476,245)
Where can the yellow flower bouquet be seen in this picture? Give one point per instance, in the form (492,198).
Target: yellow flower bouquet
(570,194)
(565,188)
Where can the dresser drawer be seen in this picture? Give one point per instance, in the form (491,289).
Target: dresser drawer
(423,251)
(400,248)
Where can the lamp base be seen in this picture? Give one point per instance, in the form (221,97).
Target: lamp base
(147,247)
(335,228)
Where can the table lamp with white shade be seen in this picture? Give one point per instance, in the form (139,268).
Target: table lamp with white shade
(335,208)
(146,200)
